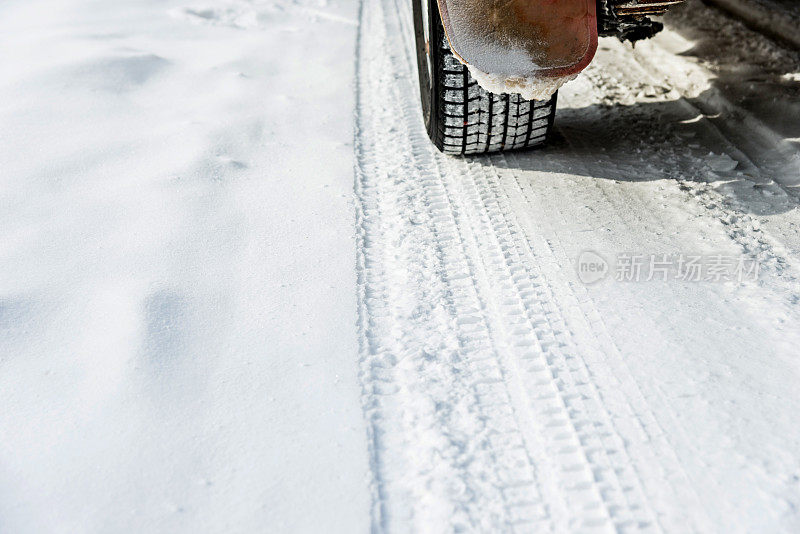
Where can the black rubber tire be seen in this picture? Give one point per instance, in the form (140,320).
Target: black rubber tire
(461,117)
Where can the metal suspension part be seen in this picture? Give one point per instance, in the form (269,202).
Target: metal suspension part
(629,19)
(634,8)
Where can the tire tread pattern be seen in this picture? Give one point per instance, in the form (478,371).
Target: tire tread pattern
(470,120)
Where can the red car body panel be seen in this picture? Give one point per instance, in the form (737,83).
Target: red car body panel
(522,38)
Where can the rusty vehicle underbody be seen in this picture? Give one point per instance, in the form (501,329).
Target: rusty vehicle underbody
(629,19)
(490,67)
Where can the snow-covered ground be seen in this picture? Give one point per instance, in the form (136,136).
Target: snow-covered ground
(777,18)
(177,302)
(207,325)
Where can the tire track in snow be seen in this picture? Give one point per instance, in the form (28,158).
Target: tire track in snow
(440,440)
(644,437)
(556,458)
(548,368)
(497,394)
(665,431)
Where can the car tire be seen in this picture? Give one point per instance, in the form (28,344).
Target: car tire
(460,116)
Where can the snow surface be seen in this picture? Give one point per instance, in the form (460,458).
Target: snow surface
(205,328)
(177,333)
(777,18)
(506,394)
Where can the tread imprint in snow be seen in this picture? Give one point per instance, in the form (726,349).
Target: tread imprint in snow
(483,414)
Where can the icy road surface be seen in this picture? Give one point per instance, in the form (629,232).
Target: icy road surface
(208,325)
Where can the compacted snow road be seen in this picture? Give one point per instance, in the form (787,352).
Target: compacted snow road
(504,392)
(599,336)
